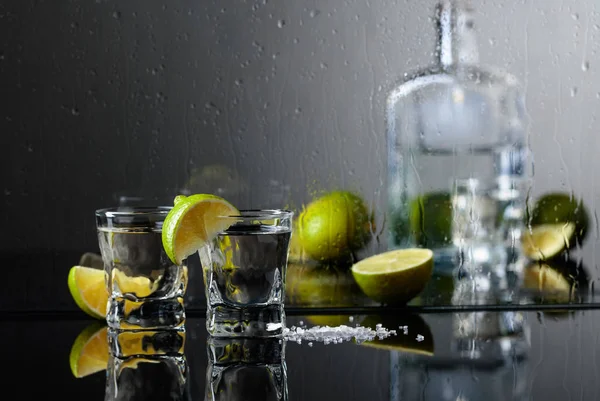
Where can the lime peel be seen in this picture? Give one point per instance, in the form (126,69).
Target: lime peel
(192,222)
(396,276)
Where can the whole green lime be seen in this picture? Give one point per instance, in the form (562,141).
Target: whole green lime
(557,207)
(431,219)
(335,225)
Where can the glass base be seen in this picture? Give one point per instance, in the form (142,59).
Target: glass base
(263,321)
(125,314)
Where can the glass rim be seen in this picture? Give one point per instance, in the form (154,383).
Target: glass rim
(260,214)
(130,211)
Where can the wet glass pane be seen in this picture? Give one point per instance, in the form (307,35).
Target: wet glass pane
(464,128)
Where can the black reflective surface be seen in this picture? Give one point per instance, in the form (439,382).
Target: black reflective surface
(507,355)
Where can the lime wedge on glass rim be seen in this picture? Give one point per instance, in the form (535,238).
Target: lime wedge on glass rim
(192,222)
(547,241)
(394,277)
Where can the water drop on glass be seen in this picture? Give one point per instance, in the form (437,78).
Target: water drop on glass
(280,23)
(585,66)
(575,16)
(116,14)
(314,13)
(574,91)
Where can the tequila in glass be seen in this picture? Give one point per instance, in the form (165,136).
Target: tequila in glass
(244,274)
(145,288)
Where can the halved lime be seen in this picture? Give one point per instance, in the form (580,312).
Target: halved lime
(194,220)
(547,240)
(394,277)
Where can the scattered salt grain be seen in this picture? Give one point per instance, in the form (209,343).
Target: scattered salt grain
(420,338)
(337,334)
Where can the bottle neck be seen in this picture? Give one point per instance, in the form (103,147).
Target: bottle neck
(457,39)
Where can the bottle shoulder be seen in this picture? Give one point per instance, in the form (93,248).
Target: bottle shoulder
(467,76)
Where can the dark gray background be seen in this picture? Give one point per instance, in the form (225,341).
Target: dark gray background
(265,102)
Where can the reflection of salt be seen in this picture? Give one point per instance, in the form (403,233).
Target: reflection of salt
(404,330)
(420,338)
(336,335)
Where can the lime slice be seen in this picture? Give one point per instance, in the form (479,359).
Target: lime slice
(89,353)
(139,286)
(192,222)
(547,240)
(396,276)
(88,290)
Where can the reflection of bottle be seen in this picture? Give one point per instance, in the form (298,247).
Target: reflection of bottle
(486,359)
(246,369)
(453,120)
(147,365)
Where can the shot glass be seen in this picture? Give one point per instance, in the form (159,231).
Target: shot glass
(145,288)
(244,270)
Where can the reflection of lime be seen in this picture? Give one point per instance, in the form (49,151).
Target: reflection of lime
(554,282)
(547,241)
(314,286)
(413,334)
(556,208)
(333,226)
(317,287)
(431,219)
(193,221)
(396,276)
(139,343)
(89,353)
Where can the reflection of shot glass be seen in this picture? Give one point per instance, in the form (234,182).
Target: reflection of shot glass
(246,369)
(145,288)
(244,274)
(146,365)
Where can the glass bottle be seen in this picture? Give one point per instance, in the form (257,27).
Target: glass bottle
(453,121)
